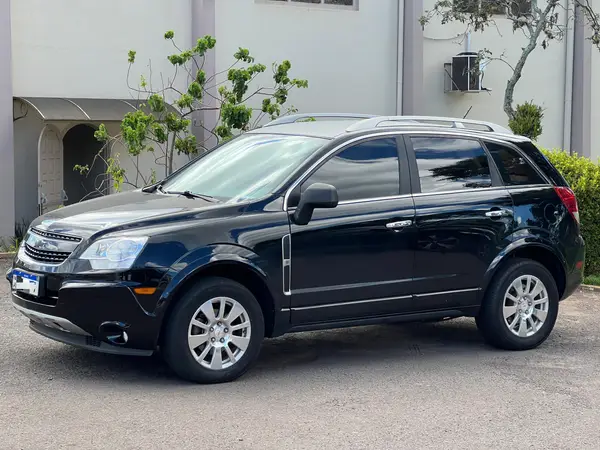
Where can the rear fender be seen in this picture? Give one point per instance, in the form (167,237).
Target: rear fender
(522,242)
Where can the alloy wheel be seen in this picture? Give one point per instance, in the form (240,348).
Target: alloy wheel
(219,333)
(525,306)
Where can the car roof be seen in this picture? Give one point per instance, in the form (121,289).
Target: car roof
(326,129)
(332,129)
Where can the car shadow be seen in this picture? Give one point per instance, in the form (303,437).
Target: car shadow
(291,355)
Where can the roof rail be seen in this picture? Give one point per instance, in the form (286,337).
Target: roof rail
(296,117)
(451,122)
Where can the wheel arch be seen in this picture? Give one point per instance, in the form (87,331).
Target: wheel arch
(538,251)
(233,268)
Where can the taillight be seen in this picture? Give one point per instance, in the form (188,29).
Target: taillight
(567,196)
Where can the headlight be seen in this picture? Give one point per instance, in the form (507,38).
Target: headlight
(114,253)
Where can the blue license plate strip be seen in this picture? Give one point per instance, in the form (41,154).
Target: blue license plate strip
(25,282)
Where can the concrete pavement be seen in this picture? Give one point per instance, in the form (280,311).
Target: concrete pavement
(379,387)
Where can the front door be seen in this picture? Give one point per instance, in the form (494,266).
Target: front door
(50,169)
(356,260)
(464,215)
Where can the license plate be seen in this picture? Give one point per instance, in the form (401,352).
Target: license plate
(26,282)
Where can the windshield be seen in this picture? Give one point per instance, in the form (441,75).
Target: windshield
(247,168)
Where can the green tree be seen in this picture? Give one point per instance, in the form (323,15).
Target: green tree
(161,123)
(539,21)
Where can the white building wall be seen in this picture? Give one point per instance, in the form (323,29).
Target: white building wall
(543,80)
(595,94)
(138,168)
(26,135)
(74,48)
(348,57)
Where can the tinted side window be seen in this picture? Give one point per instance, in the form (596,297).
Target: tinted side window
(366,170)
(513,167)
(448,164)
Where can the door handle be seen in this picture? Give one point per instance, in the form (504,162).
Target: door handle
(398,225)
(495,213)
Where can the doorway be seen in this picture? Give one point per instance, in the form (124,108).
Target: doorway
(81,147)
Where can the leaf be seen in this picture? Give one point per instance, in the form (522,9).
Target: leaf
(131,56)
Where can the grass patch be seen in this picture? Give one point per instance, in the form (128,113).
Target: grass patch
(593,280)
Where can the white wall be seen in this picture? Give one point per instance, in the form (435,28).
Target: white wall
(75,48)
(26,135)
(144,163)
(595,94)
(543,78)
(349,57)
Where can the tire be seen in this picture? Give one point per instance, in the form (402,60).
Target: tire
(200,363)
(530,332)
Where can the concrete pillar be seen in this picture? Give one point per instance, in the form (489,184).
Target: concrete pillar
(7,156)
(412,73)
(581,110)
(203,23)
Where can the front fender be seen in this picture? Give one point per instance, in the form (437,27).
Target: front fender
(193,262)
(520,241)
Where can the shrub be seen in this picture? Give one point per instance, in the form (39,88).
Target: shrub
(583,175)
(527,120)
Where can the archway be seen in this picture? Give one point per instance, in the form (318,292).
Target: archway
(81,147)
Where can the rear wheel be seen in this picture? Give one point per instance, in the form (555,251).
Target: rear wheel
(214,333)
(520,307)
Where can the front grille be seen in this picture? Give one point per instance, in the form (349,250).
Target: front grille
(49,247)
(60,237)
(45,255)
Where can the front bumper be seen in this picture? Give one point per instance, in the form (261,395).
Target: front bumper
(104,316)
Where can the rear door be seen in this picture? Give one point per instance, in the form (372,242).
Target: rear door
(463,216)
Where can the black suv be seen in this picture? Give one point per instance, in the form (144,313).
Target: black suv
(337,221)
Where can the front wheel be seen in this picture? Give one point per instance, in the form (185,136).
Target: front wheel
(214,333)
(520,308)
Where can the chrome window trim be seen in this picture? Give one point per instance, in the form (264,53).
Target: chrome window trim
(430,194)
(456,133)
(374,199)
(528,186)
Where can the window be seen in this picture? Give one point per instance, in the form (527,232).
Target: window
(246,168)
(447,164)
(348,4)
(513,168)
(367,170)
(498,7)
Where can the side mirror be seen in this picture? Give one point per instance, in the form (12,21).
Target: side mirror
(317,195)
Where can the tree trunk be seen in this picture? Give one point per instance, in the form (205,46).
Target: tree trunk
(170,155)
(518,70)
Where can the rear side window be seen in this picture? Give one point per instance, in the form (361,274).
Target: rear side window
(449,164)
(513,167)
(366,170)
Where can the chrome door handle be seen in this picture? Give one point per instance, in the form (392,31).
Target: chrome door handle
(398,225)
(498,213)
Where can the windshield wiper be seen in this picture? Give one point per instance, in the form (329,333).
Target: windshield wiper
(188,194)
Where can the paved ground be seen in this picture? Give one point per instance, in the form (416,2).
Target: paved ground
(388,387)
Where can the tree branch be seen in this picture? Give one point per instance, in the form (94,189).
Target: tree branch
(518,69)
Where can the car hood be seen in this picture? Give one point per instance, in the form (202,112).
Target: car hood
(121,211)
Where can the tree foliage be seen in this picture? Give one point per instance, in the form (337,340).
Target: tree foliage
(161,122)
(541,22)
(527,120)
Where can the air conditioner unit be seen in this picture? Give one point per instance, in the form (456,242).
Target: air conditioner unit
(464,73)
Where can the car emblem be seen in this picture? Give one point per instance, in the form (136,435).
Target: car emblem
(42,244)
